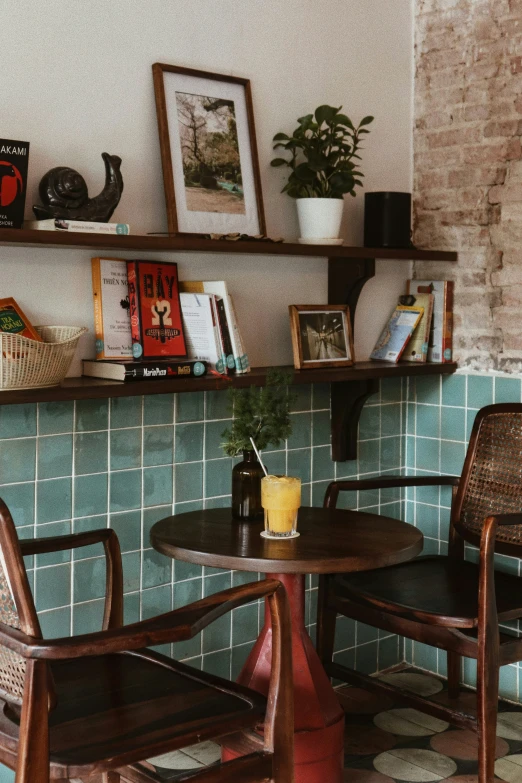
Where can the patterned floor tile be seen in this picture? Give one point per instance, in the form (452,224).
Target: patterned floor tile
(462,744)
(509,725)
(510,768)
(421,684)
(409,723)
(415,765)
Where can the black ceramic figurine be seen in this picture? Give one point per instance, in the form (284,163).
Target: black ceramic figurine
(64,194)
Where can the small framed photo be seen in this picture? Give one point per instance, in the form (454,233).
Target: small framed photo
(208,152)
(321,336)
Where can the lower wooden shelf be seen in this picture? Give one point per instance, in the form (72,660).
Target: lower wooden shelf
(95,388)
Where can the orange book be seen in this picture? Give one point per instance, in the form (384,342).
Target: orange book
(14,321)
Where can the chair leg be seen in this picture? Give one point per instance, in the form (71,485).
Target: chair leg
(326,618)
(33,748)
(453,660)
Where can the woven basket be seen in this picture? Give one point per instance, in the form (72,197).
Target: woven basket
(29,364)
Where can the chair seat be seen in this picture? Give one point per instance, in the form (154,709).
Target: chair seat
(114,706)
(435,589)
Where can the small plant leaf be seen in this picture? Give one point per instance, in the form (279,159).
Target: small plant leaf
(366,120)
(278,162)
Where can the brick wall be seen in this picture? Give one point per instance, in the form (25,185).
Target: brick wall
(468,168)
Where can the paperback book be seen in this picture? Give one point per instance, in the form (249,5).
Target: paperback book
(395,335)
(14,160)
(155,311)
(440,347)
(200,322)
(112,324)
(140,371)
(417,347)
(84,226)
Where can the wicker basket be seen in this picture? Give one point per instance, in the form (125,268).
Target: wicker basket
(29,364)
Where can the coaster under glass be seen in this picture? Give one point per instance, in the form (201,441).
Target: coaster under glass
(264,534)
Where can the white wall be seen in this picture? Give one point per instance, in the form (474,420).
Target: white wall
(76,81)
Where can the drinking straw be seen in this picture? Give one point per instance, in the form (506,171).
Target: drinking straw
(258,456)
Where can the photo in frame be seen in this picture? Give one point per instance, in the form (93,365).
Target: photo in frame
(208,152)
(321,336)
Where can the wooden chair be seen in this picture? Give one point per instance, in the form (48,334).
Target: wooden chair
(100,702)
(446,601)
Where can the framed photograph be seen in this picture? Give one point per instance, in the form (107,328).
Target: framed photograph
(208,152)
(321,336)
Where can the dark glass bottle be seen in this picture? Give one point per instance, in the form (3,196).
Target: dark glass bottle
(246,488)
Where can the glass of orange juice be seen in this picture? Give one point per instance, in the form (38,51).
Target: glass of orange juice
(281,499)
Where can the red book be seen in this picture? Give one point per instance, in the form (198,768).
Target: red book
(155,312)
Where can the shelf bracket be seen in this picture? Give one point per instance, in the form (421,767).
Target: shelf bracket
(346,278)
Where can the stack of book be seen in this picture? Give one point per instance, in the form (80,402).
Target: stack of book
(150,325)
(419,330)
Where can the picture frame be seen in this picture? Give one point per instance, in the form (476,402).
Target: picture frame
(208,152)
(321,336)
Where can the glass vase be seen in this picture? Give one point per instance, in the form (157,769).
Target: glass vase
(246,488)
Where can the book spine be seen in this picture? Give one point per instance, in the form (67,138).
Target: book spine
(225,333)
(97,299)
(82,226)
(240,356)
(134,308)
(447,323)
(171,370)
(221,365)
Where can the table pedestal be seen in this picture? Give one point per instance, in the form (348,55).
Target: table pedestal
(319,718)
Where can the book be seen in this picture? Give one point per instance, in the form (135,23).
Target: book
(201,331)
(14,321)
(14,159)
(139,371)
(395,335)
(112,324)
(85,226)
(219,287)
(417,348)
(155,311)
(441,334)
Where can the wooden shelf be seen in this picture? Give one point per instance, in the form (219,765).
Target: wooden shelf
(96,388)
(156,243)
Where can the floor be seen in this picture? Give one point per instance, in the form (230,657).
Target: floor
(386,743)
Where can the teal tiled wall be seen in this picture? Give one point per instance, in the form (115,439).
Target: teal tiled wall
(439,416)
(127,462)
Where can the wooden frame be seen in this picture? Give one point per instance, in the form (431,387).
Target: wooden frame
(303,359)
(181,219)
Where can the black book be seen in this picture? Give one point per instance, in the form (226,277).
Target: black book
(14,159)
(141,371)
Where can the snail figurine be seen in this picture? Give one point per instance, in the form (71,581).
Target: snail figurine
(64,195)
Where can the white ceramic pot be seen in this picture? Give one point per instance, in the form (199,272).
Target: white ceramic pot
(319,218)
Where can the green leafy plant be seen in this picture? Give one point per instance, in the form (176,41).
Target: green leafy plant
(261,413)
(323,148)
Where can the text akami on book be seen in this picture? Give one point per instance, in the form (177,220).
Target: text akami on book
(155,312)
(14,158)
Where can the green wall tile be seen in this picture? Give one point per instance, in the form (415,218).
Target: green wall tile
(88,617)
(427,455)
(453,389)
(370,422)
(125,491)
(83,525)
(453,424)
(17,421)
(151,516)
(126,412)
(239,657)
(452,457)
(214,438)
(218,663)
(322,465)
(507,389)
(131,562)
(156,569)
(18,460)
(125,447)
(321,428)
(428,421)
(53,500)
(427,389)
(302,398)
(53,587)
(390,420)
(90,495)
(46,531)
(299,463)
(55,456)
(275,462)
(56,623)
(190,407)
(90,452)
(301,436)
(157,486)
(245,624)
(156,600)
(320,396)
(127,526)
(158,409)
(158,445)
(55,417)
(131,608)
(19,499)
(218,477)
(217,405)
(480,391)
(189,442)
(89,579)
(391,390)
(92,415)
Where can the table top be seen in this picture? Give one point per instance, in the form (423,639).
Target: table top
(331,541)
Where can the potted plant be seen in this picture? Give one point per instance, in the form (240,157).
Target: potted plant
(264,415)
(323,149)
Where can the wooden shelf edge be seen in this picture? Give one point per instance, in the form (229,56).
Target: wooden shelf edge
(96,388)
(156,243)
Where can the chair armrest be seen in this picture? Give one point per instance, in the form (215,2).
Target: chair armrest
(113,610)
(384,482)
(178,625)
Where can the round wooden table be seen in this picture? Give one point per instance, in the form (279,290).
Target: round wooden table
(331,541)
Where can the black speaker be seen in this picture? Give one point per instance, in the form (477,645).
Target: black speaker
(387,219)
